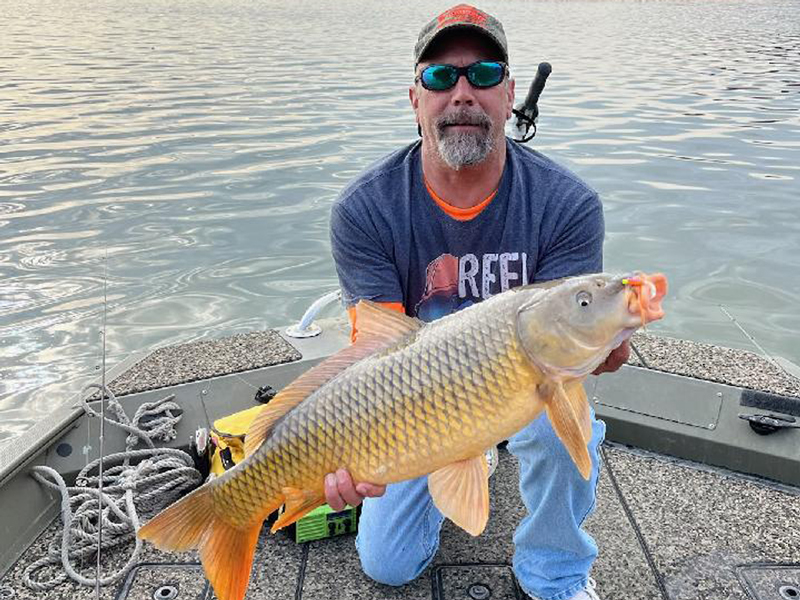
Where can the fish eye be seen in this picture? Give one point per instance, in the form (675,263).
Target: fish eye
(583,298)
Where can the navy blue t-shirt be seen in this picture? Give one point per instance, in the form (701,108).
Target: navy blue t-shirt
(391,242)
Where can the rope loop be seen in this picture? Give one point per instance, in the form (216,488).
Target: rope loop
(133,482)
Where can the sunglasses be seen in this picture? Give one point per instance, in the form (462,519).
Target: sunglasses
(481,74)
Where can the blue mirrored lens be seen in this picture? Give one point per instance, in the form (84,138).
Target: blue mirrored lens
(481,74)
(485,74)
(439,77)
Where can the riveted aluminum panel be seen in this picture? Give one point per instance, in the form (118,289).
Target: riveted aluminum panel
(660,395)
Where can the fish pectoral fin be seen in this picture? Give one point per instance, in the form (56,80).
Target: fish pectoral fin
(298,504)
(580,406)
(225,551)
(567,425)
(461,492)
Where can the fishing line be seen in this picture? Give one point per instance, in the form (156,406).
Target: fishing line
(766,354)
(747,335)
(637,532)
(638,354)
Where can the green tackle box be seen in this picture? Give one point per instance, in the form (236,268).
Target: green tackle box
(324,522)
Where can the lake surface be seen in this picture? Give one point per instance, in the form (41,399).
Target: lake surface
(199,145)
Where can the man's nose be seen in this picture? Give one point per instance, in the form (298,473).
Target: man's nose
(463,92)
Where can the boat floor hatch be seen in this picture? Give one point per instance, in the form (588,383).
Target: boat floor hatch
(665,529)
(168,581)
(765,582)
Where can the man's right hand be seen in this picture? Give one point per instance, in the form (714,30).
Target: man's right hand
(340,490)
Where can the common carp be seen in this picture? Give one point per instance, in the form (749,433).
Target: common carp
(410,399)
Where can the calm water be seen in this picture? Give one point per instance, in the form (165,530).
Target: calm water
(200,145)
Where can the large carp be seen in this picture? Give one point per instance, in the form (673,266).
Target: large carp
(410,399)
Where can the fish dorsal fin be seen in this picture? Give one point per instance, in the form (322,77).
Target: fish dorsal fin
(378,328)
(376,322)
(568,423)
(461,492)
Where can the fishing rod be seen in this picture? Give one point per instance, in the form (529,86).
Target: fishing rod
(101,438)
(528,111)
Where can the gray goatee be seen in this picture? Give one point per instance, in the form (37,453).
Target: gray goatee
(460,149)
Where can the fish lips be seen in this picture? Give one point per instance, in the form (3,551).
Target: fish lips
(644,296)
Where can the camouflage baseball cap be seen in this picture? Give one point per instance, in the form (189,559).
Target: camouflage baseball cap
(461,16)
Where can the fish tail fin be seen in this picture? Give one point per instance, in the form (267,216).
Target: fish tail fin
(182,525)
(570,429)
(225,551)
(227,557)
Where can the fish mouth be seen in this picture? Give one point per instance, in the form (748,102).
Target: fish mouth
(644,294)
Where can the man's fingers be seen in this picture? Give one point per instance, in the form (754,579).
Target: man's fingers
(347,489)
(340,490)
(618,357)
(332,495)
(368,490)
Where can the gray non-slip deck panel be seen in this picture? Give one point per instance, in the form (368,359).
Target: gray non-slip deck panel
(204,359)
(700,525)
(713,363)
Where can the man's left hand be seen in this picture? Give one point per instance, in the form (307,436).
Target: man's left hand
(617,358)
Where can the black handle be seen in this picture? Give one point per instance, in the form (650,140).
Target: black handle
(528,111)
(537,85)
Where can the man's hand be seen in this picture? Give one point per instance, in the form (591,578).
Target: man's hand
(339,490)
(617,358)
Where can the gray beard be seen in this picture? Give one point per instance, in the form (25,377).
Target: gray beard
(464,149)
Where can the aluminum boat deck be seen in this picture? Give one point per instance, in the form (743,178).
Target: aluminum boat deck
(668,527)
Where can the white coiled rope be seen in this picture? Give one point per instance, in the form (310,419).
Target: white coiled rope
(134,482)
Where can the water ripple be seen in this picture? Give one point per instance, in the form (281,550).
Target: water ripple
(187,172)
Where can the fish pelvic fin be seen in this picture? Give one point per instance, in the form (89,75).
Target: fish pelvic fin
(378,328)
(461,492)
(298,504)
(225,551)
(570,426)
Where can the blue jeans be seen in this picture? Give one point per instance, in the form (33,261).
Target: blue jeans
(398,534)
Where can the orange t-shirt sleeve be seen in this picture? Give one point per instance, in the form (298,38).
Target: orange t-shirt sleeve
(351,312)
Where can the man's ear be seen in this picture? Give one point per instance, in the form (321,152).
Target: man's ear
(510,105)
(414,99)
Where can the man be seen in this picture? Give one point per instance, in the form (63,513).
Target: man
(448,221)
